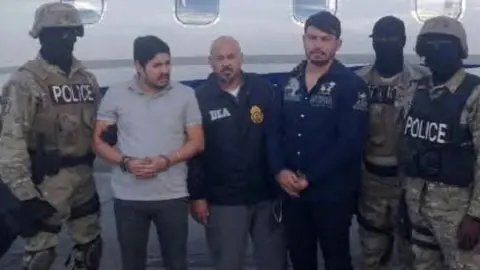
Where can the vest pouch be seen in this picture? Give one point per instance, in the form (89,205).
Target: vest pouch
(44,163)
(67,132)
(430,163)
(377,125)
(52,162)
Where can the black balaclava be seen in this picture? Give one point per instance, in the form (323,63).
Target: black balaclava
(388,40)
(442,54)
(57,44)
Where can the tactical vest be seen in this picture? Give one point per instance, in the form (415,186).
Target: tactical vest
(65,110)
(438,147)
(382,142)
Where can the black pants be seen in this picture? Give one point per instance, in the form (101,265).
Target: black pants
(133,220)
(7,235)
(329,224)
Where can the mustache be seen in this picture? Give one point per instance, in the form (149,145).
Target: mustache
(226,68)
(317,51)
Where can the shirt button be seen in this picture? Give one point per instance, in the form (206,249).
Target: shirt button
(302,115)
(298,153)
(299,134)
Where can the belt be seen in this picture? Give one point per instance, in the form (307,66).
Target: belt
(382,171)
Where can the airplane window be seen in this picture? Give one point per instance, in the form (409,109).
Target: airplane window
(197,12)
(302,9)
(425,9)
(91,11)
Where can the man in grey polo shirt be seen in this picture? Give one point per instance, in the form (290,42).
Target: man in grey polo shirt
(159,128)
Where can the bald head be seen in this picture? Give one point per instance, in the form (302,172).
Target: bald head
(226,58)
(224,43)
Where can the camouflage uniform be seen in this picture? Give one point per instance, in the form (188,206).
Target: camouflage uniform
(41,101)
(381,190)
(436,208)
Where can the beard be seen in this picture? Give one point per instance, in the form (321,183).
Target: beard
(319,58)
(159,83)
(226,75)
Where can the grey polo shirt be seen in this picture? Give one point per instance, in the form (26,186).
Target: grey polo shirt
(150,125)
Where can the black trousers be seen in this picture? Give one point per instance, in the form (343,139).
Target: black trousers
(328,224)
(7,235)
(133,219)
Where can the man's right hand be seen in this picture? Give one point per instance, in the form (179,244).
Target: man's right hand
(288,181)
(200,211)
(141,168)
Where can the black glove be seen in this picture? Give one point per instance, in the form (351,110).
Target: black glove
(37,209)
(29,218)
(110,135)
(468,233)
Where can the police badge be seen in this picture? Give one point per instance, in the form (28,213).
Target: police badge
(256,114)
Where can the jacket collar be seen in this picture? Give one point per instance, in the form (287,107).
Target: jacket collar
(213,85)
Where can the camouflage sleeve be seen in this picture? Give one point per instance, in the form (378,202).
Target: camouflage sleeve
(472,116)
(18,110)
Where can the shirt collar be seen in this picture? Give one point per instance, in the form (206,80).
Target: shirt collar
(336,68)
(453,83)
(212,82)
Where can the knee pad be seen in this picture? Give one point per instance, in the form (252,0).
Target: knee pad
(39,260)
(86,256)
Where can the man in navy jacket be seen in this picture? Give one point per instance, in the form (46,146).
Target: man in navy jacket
(231,190)
(316,134)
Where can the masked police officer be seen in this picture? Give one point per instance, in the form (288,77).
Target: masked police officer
(442,144)
(48,108)
(315,138)
(390,80)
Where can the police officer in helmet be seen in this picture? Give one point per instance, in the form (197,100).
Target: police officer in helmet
(442,146)
(48,109)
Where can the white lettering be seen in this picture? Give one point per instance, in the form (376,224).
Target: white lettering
(425,130)
(71,94)
(57,92)
(219,114)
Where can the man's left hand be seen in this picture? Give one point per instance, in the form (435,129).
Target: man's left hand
(159,163)
(301,184)
(468,233)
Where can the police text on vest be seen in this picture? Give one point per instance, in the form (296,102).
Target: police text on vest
(426,130)
(71,94)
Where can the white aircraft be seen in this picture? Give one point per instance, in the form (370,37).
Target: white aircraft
(269,31)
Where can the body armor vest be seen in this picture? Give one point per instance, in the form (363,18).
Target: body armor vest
(65,110)
(383,114)
(438,147)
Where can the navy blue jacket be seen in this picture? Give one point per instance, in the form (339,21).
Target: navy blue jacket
(321,134)
(233,169)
